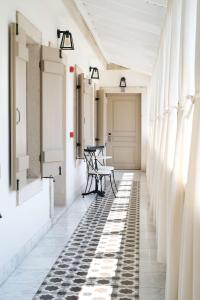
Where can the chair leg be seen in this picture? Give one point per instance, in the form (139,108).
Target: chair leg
(113,175)
(101,182)
(90,184)
(87,183)
(112,186)
(104,183)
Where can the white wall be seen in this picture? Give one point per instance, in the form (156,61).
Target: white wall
(136,83)
(21,224)
(111,78)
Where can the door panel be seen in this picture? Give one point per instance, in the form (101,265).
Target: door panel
(124,131)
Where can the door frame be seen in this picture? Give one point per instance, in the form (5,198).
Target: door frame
(144,116)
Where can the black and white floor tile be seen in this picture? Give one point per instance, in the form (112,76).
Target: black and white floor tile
(101,260)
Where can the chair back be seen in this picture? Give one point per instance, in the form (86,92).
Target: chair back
(90,159)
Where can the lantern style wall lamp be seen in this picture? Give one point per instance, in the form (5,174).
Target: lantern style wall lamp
(122,84)
(66,40)
(95,73)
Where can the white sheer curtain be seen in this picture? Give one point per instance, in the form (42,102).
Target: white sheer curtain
(189,273)
(164,127)
(174,195)
(183,141)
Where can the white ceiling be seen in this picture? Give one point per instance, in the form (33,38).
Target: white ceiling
(127,31)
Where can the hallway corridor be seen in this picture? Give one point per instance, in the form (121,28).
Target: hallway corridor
(110,255)
(92,90)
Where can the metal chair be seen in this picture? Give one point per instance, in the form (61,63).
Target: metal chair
(94,173)
(102,166)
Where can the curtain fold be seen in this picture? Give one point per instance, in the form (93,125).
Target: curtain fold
(165,177)
(189,272)
(176,198)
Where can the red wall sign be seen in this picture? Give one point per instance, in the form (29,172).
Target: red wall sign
(71,134)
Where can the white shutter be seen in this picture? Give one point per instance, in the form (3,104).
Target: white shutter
(18,74)
(101,117)
(53,106)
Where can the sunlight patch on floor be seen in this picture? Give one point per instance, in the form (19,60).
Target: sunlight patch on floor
(109,244)
(123,194)
(111,227)
(124,188)
(126,183)
(102,268)
(116,215)
(121,201)
(95,292)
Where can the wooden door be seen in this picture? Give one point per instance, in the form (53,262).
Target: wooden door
(124,131)
(53,111)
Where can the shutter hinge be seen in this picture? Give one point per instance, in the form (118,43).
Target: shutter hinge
(17,29)
(60,170)
(97,98)
(78,87)
(17,184)
(41,157)
(78,144)
(41,65)
(96,139)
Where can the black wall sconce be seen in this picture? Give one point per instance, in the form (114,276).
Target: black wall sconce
(122,82)
(66,40)
(95,73)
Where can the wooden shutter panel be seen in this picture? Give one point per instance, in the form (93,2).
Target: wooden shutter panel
(88,114)
(95,115)
(53,97)
(80,115)
(101,117)
(18,74)
(85,135)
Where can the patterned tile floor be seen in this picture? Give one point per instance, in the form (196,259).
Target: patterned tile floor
(101,260)
(27,278)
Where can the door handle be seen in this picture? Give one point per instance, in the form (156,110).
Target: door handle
(109,137)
